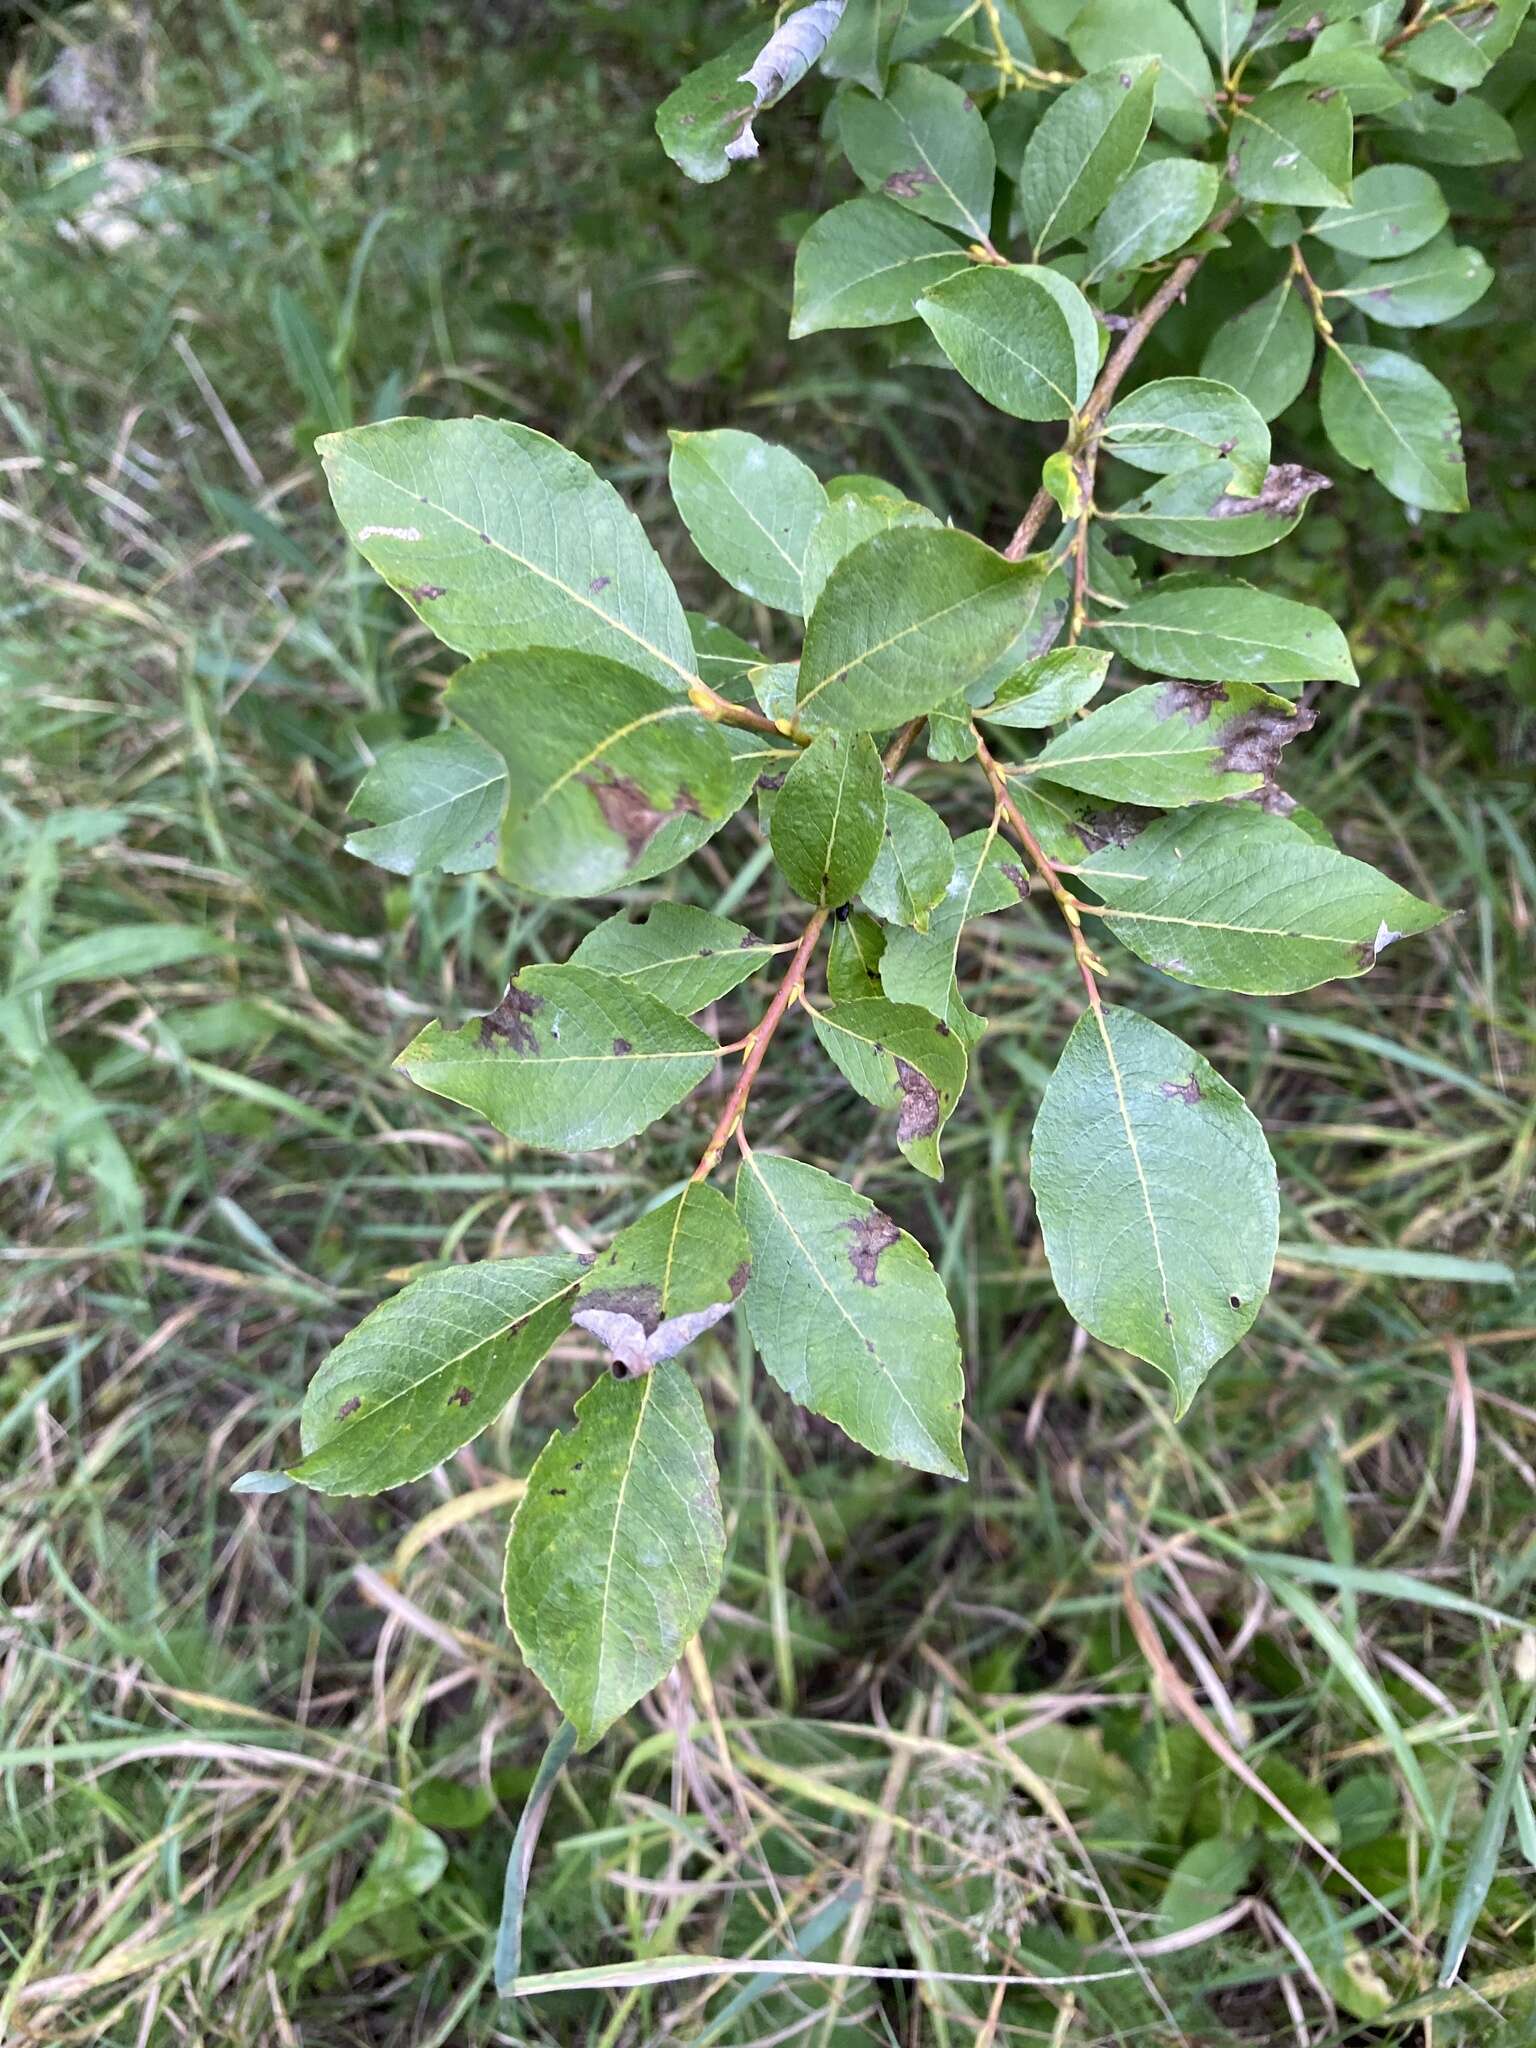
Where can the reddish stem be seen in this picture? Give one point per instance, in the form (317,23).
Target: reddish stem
(757,1045)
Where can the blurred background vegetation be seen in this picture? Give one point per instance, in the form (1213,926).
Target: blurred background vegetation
(260,1761)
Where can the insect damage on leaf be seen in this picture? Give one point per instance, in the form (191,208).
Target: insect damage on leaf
(508,1022)
(629,812)
(1287,487)
(920,1104)
(870,1236)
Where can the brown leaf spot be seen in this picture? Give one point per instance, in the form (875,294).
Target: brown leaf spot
(871,1235)
(349,1407)
(1117,827)
(557,1493)
(461,1397)
(1017,876)
(598,583)
(1252,742)
(628,811)
(509,1021)
(425,592)
(919,1104)
(1181,1091)
(942,1028)
(907,184)
(641,1301)
(739,1279)
(770,782)
(1195,701)
(1287,488)
(620,1047)
(486,538)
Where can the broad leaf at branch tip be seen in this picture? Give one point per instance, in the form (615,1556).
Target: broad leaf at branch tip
(1140,1144)
(1155,211)
(1397,208)
(1106,32)
(1085,143)
(1384,412)
(1171,744)
(435,804)
(1436,283)
(749,506)
(1235,898)
(665,1280)
(1047,690)
(1208,633)
(925,146)
(617,1547)
(1293,145)
(1179,423)
(865,264)
(429,1369)
(569,1059)
(611,777)
(500,539)
(1266,352)
(849,1316)
(916,860)
(907,619)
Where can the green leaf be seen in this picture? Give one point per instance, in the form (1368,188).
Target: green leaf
(1397,209)
(617,1547)
(750,507)
(1141,1144)
(1205,511)
(1366,82)
(1208,632)
(405,1866)
(773,685)
(903,1058)
(500,540)
(1180,423)
(1107,32)
(665,1280)
(950,735)
(1440,281)
(912,870)
(705,116)
(1070,824)
(1234,898)
(1293,145)
(865,264)
(925,146)
(429,1369)
(829,818)
(682,956)
(844,525)
(1465,131)
(610,776)
(1156,210)
(1266,352)
(1170,744)
(1204,1882)
(853,958)
(1086,142)
(1462,47)
(849,1316)
(919,967)
(435,803)
(568,1059)
(859,47)
(721,656)
(905,620)
(1049,689)
(1024,337)
(1384,412)
(1224,26)
(1300,20)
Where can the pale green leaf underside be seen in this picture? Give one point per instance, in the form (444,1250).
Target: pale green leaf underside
(1157,1196)
(435,803)
(617,1547)
(849,1316)
(749,506)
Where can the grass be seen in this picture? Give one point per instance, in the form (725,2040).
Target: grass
(1217,1719)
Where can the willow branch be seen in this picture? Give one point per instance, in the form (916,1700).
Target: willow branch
(757,1045)
(1088,966)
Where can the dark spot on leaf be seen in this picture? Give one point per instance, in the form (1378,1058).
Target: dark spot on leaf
(739,1278)
(1127,80)
(1252,742)
(906,184)
(1234,1301)
(628,811)
(578,1464)
(424,592)
(486,538)
(1181,1091)
(641,1301)
(599,583)
(585,1259)
(1168,1317)
(1195,701)
(770,782)
(509,1021)
(843,912)
(919,1104)
(871,1235)
(557,1493)
(349,1408)
(706,953)
(620,1047)
(1287,488)
(1270,797)
(461,1397)
(825,880)
(1116,827)
(942,1029)
(1017,876)
(1325,94)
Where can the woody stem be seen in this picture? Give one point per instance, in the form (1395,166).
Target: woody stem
(1045,867)
(757,1045)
